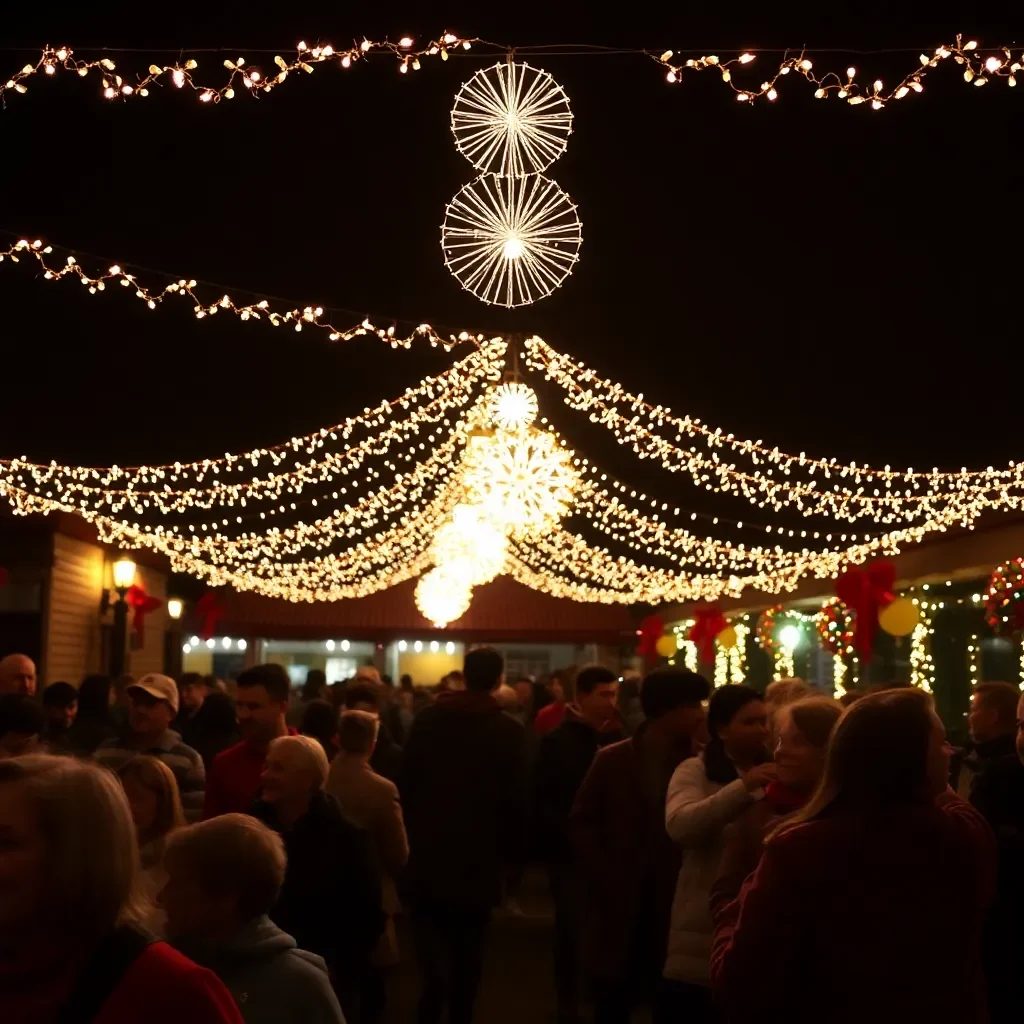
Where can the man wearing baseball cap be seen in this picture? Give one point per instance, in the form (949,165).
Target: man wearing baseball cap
(152,705)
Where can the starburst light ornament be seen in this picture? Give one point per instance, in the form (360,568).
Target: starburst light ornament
(525,481)
(469,545)
(443,596)
(512,406)
(511,119)
(511,241)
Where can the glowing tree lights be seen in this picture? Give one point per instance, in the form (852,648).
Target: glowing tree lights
(511,119)
(511,241)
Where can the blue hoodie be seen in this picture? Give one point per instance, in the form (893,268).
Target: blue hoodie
(271,980)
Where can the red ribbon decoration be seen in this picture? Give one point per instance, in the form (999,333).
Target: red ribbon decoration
(649,632)
(865,592)
(3,576)
(142,604)
(709,623)
(210,610)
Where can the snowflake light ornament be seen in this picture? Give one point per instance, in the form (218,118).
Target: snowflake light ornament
(512,406)
(443,596)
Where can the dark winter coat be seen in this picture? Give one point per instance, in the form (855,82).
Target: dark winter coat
(563,760)
(386,759)
(623,853)
(212,729)
(330,900)
(970,764)
(463,789)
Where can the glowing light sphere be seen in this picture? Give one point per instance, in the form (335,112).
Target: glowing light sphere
(789,637)
(511,119)
(511,241)
(473,546)
(525,481)
(443,597)
(512,406)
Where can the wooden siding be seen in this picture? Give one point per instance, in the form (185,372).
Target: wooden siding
(72,646)
(150,657)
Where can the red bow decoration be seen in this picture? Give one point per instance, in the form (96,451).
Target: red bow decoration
(709,623)
(142,604)
(650,630)
(210,610)
(3,576)
(866,591)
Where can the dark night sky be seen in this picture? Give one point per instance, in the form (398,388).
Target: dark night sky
(823,277)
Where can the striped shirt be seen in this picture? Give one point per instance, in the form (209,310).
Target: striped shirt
(185,762)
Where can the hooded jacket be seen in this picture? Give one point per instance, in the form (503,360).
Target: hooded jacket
(269,977)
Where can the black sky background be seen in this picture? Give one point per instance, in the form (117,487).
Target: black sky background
(826,278)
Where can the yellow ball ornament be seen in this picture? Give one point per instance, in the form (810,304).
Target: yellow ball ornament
(666,645)
(727,638)
(900,617)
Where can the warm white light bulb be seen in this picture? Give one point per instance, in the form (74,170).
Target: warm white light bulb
(789,637)
(330,645)
(513,248)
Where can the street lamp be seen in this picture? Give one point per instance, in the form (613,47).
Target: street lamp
(124,578)
(175,606)
(172,638)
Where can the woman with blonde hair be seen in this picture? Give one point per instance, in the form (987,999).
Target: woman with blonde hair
(155,803)
(71,943)
(884,857)
(330,901)
(804,728)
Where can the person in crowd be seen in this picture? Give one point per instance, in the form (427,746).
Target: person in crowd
(94,722)
(155,804)
(883,839)
(563,761)
(215,726)
(549,715)
(777,694)
(997,792)
(330,899)
(706,794)
(18,675)
(153,705)
(524,692)
(21,724)
(320,720)
(631,713)
(223,878)
(623,854)
(60,706)
(992,722)
(72,947)
(387,754)
(192,691)
(261,703)
(463,789)
(804,727)
(372,802)
(406,702)
(314,688)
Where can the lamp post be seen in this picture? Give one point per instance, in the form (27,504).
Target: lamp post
(172,638)
(124,577)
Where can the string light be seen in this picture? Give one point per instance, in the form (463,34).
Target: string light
(922,669)
(298,318)
(976,70)
(511,241)
(511,119)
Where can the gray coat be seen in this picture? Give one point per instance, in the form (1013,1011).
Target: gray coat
(271,980)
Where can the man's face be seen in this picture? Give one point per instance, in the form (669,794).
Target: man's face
(18,675)
(687,722)
(62,718)
(982,721)
(260,718)
(599,704)
(192,696)
(148,715)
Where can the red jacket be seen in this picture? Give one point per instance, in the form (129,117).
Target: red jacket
(851,918)
(549,717)
(160,987)
(233,783)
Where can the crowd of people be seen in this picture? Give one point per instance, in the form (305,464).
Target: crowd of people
(170,850)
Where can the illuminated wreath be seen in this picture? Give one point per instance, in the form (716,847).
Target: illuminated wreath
(834,624)
(1004,607)
(765,629)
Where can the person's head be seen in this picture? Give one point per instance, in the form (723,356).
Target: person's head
(484,669)
(192,690)
(596,689)
(315,685)
(95,697)
(296,768)
(320,720)
(21,722)
(153,797)
(152,704)
(993,711)
(18,675)
(557,687)
(60,705)
(524,692)
(221,874)
(507,698)
(261,703)
(69,859)
(804,727)
(357,733)
(888,749)
(363,697)
(672,700)
(738,723)
(850,697)
(629,689)
(454,681)
(405,683)
(369,674)
(780,692)
(218,715)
